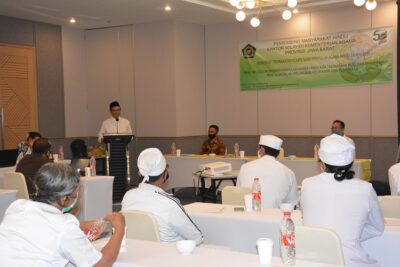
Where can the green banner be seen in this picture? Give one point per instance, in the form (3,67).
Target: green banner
(337,59)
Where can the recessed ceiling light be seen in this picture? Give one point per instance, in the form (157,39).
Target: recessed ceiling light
(72,20)
(167,8)
(295,11)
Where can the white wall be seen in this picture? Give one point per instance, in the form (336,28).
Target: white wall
(75,87)
(175,78)
(367,110)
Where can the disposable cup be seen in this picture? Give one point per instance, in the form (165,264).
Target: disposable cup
(178,152)
(87,171)
(55,157)
(248,202)
(241,153)
(264,247)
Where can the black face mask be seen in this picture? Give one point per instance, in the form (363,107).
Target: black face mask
(212,136)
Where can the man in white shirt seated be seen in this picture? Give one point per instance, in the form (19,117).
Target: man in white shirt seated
(278,182)
(174,223)
(394,179)
(338,128)
(115,124)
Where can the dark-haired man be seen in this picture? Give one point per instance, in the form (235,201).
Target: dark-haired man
(213,144)
(25,148)
(278,182)
(115,124)
(338,128)
(173,222)
(30,164)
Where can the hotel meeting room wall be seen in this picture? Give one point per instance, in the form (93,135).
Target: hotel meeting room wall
(368,110)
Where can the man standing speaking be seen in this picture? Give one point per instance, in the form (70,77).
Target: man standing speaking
(115,124)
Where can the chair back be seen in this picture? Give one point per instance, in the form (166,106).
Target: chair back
(16,181)
(234,195)
(141,225)
(390,206)
(318,245)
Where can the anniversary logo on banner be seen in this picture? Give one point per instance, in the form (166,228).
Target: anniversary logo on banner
(337,59)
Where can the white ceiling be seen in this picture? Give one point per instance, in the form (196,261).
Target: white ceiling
(104,13)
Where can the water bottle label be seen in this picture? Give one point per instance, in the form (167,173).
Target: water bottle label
(257,195)
(287,240)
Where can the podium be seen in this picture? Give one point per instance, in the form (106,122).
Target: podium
(117,162)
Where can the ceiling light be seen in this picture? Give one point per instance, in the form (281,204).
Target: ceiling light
(234,2)
(359,2)
(72,20)
(255,22)
(240,16)
(295,11)
(292,3)
(371,5)
(286,14)
(251,4)
(167,8)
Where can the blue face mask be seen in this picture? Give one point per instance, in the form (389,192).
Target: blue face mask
(70,207)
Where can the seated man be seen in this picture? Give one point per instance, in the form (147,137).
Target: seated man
(278,182)
(25,148)
(213,144)
(30,164)
(338,128)
(40,232)
(173,222)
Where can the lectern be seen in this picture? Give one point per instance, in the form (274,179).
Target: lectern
(117,162)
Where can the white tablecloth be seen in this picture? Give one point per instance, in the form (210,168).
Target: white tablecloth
(152,254)
(6,198)
(95,197)
(181,169)
(240,230)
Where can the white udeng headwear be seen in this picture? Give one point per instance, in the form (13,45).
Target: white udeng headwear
(151,162)
(271,141)
(335,150)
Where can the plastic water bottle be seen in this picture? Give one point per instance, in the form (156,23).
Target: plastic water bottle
(236,150)
(92,165)
(256,194)
(173,148)
(288,248)
(61,153)
(316,148)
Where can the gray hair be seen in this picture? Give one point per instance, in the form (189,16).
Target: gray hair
(54,181)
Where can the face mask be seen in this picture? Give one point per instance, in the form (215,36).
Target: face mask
(212,136)
(70,207)
(336,132)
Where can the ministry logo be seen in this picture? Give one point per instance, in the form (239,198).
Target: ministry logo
(248,51)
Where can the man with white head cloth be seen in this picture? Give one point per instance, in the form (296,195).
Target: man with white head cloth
(278,182)
(173,222)
(336,200)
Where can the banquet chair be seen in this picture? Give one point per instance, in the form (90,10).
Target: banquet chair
(318,245)
(234,195)
(141,225)
(390,206)
(16,181)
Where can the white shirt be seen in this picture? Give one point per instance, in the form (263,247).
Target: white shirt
(173,222)
(111,126)
(349,207)
(394,179)
(350,140)
(38,234)
(278,182)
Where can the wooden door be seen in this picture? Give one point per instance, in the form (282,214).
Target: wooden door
(18,93)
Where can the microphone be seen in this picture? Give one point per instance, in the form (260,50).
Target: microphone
(117,119)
